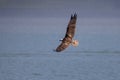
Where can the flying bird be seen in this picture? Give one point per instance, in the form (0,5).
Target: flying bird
(68,39)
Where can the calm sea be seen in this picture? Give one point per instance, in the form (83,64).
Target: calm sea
(31,57)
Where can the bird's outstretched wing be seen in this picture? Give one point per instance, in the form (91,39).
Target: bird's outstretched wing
(69,34)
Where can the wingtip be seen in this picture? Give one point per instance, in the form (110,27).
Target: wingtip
(71,16)
(56,50)
(75,15)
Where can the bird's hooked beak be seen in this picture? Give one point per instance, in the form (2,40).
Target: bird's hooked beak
(61,40)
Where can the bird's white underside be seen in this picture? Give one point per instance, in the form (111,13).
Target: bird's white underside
(75,43)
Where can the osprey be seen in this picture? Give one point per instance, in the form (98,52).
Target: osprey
(68,39)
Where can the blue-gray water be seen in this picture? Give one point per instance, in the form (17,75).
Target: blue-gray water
(31,57)
(35,43)
(68,65)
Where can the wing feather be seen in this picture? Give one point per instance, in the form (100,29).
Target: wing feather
(69,34)
(71,26)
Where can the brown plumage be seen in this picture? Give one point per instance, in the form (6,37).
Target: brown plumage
(67,40)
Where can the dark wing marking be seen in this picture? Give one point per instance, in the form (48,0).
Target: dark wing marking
(69,34)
